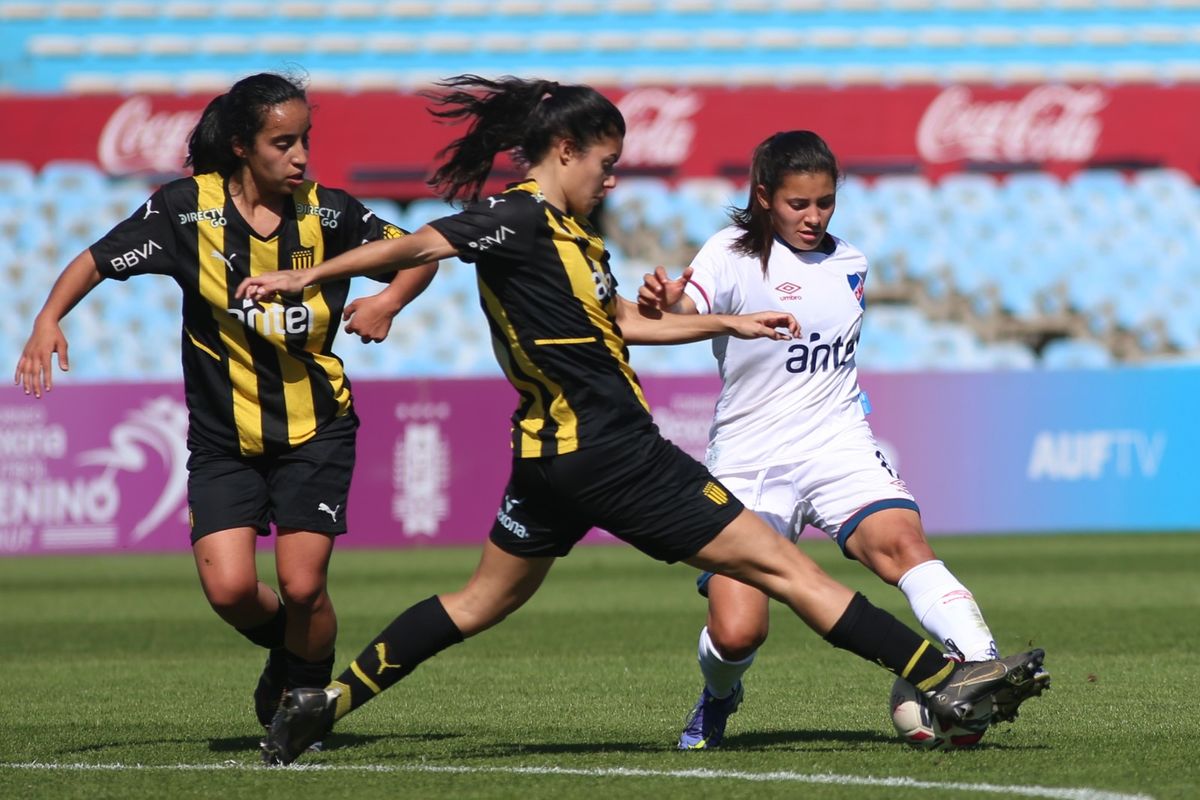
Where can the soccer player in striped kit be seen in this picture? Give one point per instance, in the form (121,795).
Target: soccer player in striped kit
(790,436)
(586,452)
(271,421)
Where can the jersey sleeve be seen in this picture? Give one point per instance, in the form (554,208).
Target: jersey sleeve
(502,226)
(144,243)
(713,287)
(362,226)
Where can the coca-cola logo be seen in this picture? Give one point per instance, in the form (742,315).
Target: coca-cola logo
(1050,123)
(138,139)
(659,129)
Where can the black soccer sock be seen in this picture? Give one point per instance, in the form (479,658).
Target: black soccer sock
(419,633)
(308,673)
(876,635)
(270,633)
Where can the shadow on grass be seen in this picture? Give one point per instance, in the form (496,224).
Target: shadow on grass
(335,741)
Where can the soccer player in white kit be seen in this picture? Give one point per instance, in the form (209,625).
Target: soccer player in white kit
(790,436)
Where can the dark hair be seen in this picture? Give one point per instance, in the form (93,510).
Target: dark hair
(237,115)
(524,116)
(783,154)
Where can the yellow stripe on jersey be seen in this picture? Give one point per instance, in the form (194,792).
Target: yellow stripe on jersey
(508,353)
(312,238)
(297,388)
(581,340)
(200,346)
(214,286)
(582,270)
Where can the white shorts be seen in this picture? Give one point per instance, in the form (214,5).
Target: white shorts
(844,483)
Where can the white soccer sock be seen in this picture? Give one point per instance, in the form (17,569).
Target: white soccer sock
(947,610)
(720,676)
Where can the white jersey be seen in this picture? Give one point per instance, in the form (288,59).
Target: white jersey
(782,399)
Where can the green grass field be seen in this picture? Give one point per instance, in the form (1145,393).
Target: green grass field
(118,681)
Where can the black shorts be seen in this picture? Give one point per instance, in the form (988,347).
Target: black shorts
(305,488)
(642,489)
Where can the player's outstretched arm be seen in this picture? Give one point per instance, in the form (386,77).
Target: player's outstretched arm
(655,327)
(383,255)
(371,317)
(35,373)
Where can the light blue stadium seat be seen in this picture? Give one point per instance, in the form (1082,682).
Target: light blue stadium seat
(17,182)
(1075,354)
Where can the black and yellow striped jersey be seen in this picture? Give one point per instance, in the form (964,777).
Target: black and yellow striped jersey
(550,299)
(259,377)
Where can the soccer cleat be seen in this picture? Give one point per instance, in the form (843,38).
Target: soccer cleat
(1006,701)
(972,681)
(706,726)
(270,686)
(303,719)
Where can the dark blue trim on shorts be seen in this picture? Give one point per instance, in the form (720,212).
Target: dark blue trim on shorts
(702,583)
(851,525)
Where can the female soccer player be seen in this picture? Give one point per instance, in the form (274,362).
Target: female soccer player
(585,450)
(790,437)
(271,419)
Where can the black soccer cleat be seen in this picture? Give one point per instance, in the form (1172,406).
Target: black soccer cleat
(269,690)
(303,718)
(973,681)
(1006,701)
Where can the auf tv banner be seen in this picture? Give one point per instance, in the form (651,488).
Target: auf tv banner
(94,468)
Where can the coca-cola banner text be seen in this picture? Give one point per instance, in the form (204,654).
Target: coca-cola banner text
(103,467)
(382,144)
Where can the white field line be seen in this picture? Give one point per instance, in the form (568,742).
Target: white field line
(1014,790)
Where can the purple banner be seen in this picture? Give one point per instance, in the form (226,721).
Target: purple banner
(93,468)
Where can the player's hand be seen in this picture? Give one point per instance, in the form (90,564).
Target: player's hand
(661,292)
(35,370)
(370,317)
(269,284)
(778,325)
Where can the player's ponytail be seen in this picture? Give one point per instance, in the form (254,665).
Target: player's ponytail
(511,114)
(783,154)
(238,116)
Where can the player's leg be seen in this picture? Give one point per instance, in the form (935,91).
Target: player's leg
(302,564)
(736,627)
(501,584)
(748,550)
(308,489)
(892,544)
(533,527)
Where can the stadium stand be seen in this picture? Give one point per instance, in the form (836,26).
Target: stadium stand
(88,45)
(955,291)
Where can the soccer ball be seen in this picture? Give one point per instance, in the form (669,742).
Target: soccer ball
(918,726)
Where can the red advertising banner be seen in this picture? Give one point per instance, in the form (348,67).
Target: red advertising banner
(382,144)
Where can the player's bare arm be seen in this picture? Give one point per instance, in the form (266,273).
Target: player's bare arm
(34,371)
(417,249)
(657,327)
(371,317)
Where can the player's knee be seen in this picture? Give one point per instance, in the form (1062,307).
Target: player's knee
(302,592)
(737,642)
(232,599)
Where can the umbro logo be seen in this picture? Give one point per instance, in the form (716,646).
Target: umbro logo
(788,291)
